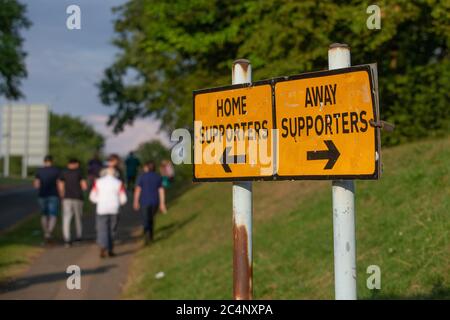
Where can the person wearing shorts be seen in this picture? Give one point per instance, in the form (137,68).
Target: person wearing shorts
(46,183)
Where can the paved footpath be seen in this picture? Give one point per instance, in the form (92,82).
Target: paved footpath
(100,278)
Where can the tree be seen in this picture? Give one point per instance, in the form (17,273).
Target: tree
(168,49)
(12,56)
(152,150)
(71,137)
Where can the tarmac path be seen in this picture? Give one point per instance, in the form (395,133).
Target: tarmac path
(17,204)
(46,278)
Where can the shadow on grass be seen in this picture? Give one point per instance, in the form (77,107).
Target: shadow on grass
(438,292)
(166,231)
(25,282)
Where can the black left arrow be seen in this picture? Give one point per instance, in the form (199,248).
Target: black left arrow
(230,159)
(332,154)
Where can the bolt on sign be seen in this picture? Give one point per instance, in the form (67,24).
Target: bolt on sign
(319,125)
(232,136)
(324,121)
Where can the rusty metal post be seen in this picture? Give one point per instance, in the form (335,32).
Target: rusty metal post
(343,209)
(242,214)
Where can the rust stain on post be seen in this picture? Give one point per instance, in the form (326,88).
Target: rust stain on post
(243,63)
(242,269)
(339,46)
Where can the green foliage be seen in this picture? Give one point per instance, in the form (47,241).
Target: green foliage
(18,246)
(15,165)
(12,64)
(170,48)
(152,150)
(71,137)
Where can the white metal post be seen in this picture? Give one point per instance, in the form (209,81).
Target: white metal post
(7,140)
(343,209)
(242,213)
(26,142)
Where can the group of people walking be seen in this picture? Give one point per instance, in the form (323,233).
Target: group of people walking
(106,188)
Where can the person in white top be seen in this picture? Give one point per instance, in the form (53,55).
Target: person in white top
(108,192)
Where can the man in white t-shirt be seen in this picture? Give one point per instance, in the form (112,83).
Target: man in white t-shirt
(109,194)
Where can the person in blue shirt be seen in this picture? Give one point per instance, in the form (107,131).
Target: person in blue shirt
(46,183)
(149,196)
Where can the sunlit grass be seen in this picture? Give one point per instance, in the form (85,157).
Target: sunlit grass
(403,222)
(18,246)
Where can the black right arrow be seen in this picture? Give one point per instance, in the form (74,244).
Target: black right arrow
(332,154)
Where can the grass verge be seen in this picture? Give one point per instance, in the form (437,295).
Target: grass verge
(403,223)
(18,246)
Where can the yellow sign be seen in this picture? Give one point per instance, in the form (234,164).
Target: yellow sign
(320,125)
(232,129)
(324,121)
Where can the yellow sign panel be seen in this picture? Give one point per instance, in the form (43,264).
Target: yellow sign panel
(320,125)
(324,123)
(232,132)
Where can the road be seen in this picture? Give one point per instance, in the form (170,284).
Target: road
(46,278)
(15,205)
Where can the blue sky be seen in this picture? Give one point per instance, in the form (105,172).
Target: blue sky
(64,66)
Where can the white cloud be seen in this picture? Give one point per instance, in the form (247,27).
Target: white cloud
(142,130)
